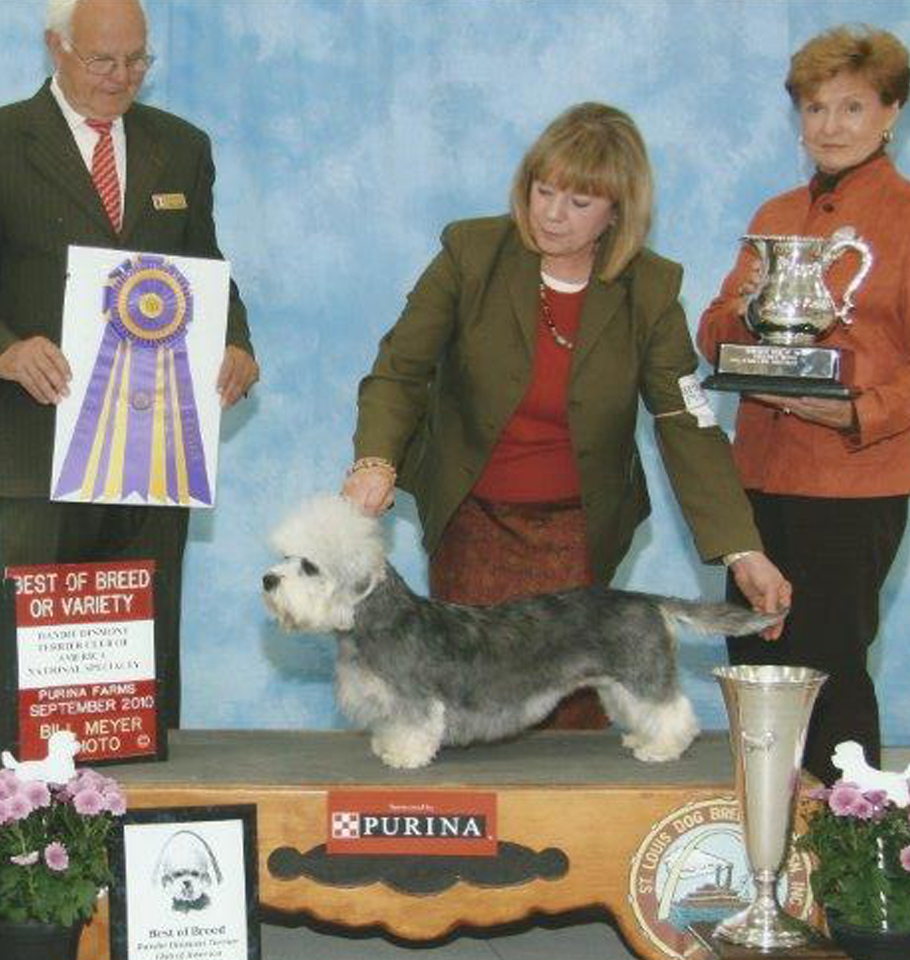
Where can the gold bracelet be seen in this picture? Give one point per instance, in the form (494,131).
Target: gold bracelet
(369,463)
(729,558)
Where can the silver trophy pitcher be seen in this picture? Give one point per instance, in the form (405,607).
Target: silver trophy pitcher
(769,709)
(792,304)
(790,311)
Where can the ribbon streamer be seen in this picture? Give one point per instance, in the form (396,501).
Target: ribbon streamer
(138,428)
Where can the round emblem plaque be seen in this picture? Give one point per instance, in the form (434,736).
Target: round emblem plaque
(692,868)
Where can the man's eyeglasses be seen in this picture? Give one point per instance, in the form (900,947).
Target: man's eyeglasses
(104,65)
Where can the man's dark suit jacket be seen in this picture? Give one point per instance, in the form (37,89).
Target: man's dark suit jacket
(47,201)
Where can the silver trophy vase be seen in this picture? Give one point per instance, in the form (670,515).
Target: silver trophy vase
(769,709)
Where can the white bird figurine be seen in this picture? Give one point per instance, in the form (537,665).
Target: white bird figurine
(850,758)
(56,767)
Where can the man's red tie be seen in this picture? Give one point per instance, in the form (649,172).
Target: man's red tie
(104,171)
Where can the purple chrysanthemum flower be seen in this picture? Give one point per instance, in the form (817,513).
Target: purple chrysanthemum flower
(37,794)
(115,802)
(18,806)
(88,802)
(25,859)
(9,783)
(56,857)
(843,797)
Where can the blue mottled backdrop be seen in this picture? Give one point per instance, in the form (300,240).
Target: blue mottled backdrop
(346,133)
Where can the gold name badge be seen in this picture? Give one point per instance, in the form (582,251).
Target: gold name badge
(169,201)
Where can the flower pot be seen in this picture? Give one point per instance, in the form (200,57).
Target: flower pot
(39,941)
(866,943)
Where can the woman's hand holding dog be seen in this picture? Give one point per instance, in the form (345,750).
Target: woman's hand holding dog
(764,586)
(372,488)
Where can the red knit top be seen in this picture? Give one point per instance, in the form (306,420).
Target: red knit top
(533,461)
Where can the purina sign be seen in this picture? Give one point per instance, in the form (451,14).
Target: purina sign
(453,823)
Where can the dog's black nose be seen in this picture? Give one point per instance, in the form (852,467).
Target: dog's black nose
(270,581)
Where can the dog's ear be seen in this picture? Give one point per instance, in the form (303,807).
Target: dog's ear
(363,588)
(344,601)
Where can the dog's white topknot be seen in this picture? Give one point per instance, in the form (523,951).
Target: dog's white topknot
(337,536)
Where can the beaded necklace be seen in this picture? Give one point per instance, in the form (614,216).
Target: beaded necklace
(564,342)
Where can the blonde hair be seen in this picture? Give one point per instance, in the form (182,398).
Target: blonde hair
(876,55)
(596,150)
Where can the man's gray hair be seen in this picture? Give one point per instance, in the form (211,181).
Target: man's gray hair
(58,17)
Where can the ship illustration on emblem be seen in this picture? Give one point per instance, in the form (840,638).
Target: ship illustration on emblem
(692,868)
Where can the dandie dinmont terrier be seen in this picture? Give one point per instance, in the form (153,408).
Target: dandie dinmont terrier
(420,674)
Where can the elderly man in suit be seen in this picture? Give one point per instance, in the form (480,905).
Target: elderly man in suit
(82,163)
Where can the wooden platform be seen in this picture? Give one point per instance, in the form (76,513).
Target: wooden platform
(614,818)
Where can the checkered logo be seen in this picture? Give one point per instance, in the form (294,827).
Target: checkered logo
(345,825)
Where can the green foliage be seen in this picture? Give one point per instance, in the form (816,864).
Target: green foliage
(53,846)
(861,846)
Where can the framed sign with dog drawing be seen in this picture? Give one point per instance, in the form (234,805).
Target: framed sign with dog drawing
(186,885)
(83,662)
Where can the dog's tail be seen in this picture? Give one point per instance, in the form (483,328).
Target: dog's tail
(9,761)
(724,618)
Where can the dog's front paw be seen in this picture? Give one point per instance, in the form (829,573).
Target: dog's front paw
(403,751)
(654,753)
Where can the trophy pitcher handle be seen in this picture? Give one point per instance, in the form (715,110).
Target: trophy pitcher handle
(832,252)
(759,244)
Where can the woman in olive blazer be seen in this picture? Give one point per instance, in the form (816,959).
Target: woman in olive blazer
(456,365)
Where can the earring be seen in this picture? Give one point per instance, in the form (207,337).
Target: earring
(802,140)
(887,135)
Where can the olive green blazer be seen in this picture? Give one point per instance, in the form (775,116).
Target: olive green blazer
(48,201)
(457,363)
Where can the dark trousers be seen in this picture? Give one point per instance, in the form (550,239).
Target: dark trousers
(35,531)
(836,553)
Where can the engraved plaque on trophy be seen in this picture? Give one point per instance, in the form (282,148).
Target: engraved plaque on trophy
(790,311)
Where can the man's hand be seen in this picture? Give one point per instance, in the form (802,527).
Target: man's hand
(239,371)
(39,367)
(764,586)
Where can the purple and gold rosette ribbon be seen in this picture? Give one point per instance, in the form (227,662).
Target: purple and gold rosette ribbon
(138,428)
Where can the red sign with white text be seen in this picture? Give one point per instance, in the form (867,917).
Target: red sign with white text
(423,822)
(85,637)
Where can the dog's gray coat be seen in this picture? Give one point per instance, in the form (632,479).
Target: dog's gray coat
(420,673)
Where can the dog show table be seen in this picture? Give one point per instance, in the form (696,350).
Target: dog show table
(588,825)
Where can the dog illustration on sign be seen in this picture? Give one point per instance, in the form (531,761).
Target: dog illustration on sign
(420,673)
(186,872)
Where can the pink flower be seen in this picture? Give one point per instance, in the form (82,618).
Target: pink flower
(56,857)
(115,802)
(25,859)
(844,795)
(88,802)
(905,858)
(5,815)
(37,794)
(18,806)
(9,784)
(818,793)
